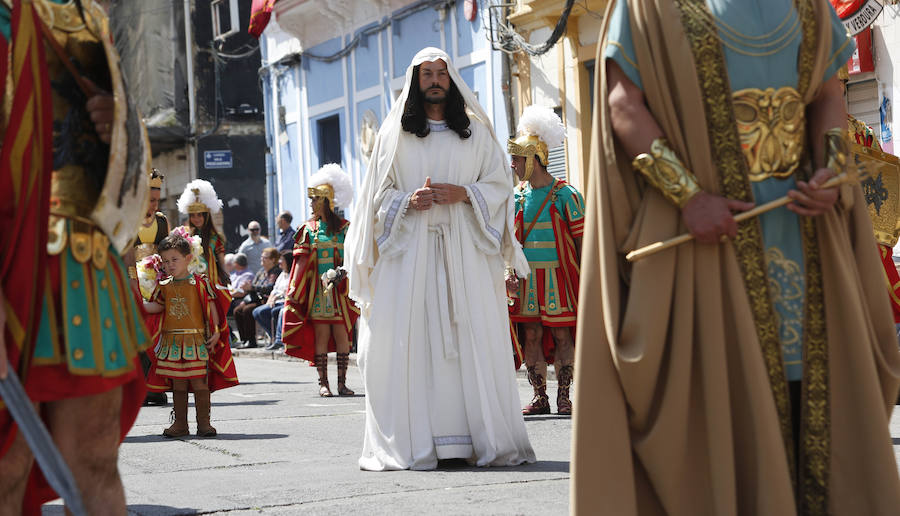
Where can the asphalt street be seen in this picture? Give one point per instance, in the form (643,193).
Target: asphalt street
(284,450)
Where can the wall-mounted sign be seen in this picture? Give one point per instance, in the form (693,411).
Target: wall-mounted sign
(856,15)
(862,60)
(217,159)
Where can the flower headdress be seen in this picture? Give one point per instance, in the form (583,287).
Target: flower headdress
(197,266)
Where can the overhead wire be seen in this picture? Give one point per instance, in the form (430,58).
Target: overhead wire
(510,41)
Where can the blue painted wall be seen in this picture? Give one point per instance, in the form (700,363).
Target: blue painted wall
(412,34)
(366,57)
(324,81)
(378,61)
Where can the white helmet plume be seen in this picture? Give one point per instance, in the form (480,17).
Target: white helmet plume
(542,122)
(199,196)
(332,174)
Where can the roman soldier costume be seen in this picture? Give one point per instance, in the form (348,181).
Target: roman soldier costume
(318,260)
(548,221)
(67,202)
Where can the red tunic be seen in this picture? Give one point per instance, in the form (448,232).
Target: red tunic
(297,327)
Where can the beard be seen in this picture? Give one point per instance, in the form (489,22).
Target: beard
(434,98)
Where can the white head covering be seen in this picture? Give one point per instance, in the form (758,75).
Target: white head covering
(360,242)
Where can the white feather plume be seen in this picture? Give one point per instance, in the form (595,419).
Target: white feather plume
(542,122)
(207,195)
(332,174)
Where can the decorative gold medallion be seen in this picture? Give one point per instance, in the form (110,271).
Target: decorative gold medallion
(772,128)
(178,307)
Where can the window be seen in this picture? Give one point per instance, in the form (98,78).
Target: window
(329,131)
(226,19)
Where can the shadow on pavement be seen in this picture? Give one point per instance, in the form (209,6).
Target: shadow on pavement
(248,402)
(159,510)
(274,382)
(135,510)
(244,437)
(157,438)
(545,417)
(546,466)
(549,466)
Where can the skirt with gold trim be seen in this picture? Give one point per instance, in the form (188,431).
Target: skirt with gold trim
(180,354)
(91,330)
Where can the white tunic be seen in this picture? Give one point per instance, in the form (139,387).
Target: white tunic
(435,349)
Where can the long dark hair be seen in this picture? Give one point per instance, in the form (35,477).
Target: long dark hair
(414,120)
(332,220)
(206,232)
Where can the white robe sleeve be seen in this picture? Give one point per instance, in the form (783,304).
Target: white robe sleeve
(493,203)
(392,229)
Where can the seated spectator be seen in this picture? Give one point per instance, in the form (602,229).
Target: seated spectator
(228,263)
(257,293)
(268,315)
(285,238)
(240,274)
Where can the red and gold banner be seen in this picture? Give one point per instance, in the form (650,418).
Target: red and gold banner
(26,160)
(260,13)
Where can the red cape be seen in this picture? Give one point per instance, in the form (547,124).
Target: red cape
(297,331)
(221,371)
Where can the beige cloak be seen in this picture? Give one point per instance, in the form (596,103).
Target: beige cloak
(676,413)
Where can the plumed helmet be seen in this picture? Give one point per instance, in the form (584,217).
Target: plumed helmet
(332,183)
(540,130)
(199,196)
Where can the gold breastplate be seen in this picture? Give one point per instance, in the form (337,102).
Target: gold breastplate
(147,234)
(772,128)
(80,158)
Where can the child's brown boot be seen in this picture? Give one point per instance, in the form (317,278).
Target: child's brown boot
(179,427)
(203,407)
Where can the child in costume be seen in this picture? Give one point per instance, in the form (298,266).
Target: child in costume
(200,202)
(318,315)
(189,336)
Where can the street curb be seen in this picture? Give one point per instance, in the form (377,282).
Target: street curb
(261,353)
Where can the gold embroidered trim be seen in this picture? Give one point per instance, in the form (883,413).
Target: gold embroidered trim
(815,426)
(807,56)
(712,72)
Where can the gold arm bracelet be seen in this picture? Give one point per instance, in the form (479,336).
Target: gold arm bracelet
(837,148)
(667,173)
(132,272)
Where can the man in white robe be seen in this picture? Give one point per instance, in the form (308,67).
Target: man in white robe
(425,255)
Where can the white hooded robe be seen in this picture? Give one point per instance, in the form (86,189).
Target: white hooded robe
(434,341)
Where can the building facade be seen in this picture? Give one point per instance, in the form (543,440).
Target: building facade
(192,68)
(563,77)
(333,68)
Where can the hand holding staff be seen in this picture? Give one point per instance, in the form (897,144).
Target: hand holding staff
(656,247)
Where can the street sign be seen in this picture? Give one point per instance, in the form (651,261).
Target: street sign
(217,159)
